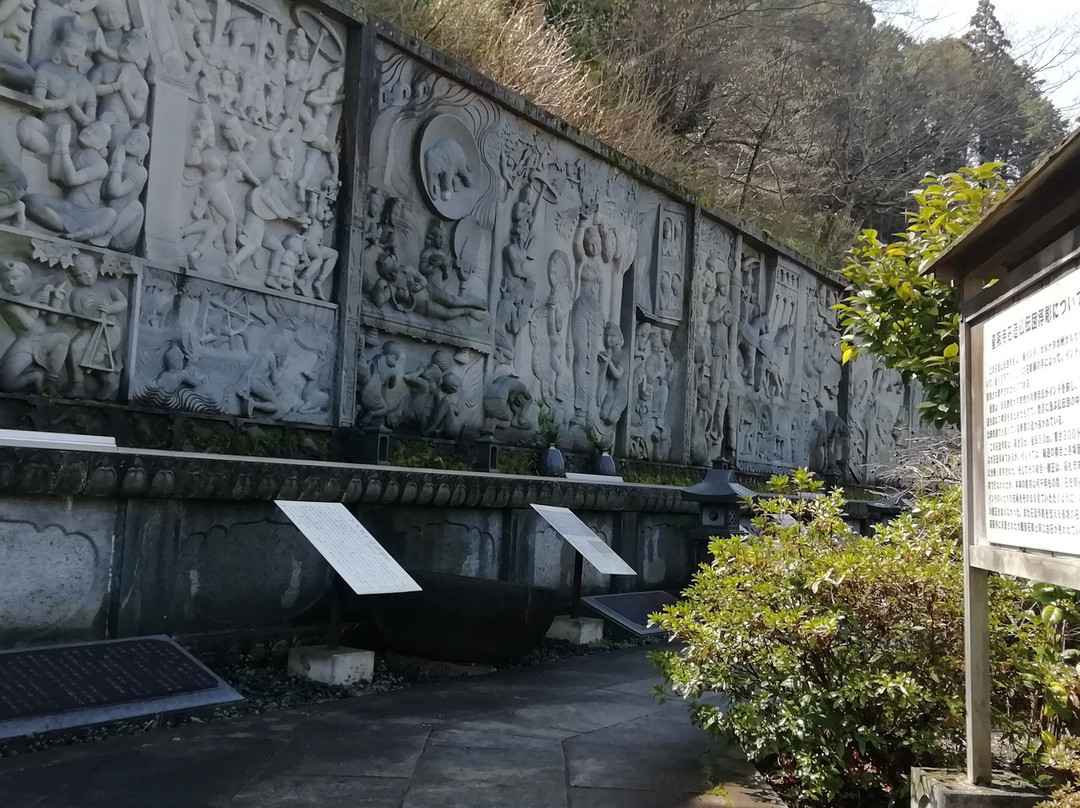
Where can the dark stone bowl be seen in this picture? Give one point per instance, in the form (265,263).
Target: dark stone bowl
(460,619)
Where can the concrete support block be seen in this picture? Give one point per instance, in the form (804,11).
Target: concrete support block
(941,788)
(578,630)
(340,666)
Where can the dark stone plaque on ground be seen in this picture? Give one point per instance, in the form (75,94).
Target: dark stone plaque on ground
(631,610)
(63,686)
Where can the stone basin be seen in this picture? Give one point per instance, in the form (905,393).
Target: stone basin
(462,619)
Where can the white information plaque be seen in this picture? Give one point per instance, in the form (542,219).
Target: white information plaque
(582,539)
(1031,420)
(348,547)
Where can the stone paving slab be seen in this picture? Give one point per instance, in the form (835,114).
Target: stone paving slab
(582,733)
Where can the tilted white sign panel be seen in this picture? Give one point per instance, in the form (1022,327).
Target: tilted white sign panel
(1031,420)
(348,547)
(582,539)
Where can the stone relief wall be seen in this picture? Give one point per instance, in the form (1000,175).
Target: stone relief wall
(175,178)
(508,266)
(169,177)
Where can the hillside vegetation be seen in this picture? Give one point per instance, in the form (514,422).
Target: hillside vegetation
(810,118)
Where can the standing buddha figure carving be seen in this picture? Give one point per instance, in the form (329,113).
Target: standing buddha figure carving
(586,317)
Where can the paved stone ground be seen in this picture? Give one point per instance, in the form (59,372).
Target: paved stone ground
(582,733)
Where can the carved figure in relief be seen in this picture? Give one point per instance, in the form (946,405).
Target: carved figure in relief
(445,408)
(288,267)
(613,392)
(122,188)
(122,91)
(407,290)
(314,397)
(12,189)
(189,17)
(315,119)
(297,68)
(213,212)
(836,442)
(79,215)
(752,331)
(243,32)
(274,88)
(111,15)
(431,300)
(557,307)
(252,103)
(267,202)
(771,369)
(96,344)
(15,23)
(264,382)
(422,384)
(321,259)
(586,317)
(203,63)
(375,380)
(506,401)
(34,361)
(641,394)
(516,297)
(176,372)
(432,402)
(821,377)
(14,34)
(722,334)
(64,95)
(666,299)
(661,366)
(228,90)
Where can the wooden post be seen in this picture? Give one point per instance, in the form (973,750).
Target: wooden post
(977,673)
(977,681)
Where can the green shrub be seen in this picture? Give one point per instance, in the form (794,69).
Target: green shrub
(427,457)
(841,656)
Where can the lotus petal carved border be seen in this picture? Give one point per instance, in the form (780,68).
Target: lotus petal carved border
(43,472)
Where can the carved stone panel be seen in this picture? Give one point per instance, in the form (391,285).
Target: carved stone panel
(877,417)
(214,348)
(74,95)
(653,399)
(713,389)
(406,385)
(249,131)
(485,233)
(63,318)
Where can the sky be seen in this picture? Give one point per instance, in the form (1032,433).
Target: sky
(1044,33)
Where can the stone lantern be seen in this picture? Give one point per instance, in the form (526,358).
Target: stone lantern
(720,501)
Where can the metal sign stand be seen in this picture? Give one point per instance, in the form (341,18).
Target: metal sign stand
(575,592)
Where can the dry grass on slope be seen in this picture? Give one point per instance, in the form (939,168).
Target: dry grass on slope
(517,48)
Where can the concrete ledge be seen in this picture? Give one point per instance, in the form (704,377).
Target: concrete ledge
(139,473)
(578,630)
(944,788)
(341,666)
